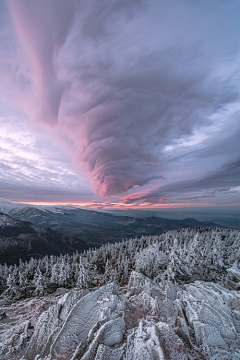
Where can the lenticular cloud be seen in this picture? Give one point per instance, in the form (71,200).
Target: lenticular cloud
(113,86)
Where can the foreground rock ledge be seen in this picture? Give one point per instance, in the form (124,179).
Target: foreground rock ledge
(144,320)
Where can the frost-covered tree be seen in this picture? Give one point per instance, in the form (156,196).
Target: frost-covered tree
(12,282)
(40,283)
(83,276)
(150,261)
(179,255)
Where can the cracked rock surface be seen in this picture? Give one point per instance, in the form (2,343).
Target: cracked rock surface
(145,320)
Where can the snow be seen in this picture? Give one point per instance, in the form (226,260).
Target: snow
(234,271)
(6,220)
(84,315)
(208,308)
(144,343)
(112,332)
(171,316)
(17,328)
(50,323)
(105,352)
(159,321)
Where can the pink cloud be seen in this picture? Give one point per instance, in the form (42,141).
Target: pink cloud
(115,87)
(42,28)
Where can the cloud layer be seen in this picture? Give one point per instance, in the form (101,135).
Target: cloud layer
(32,168)
(138,94)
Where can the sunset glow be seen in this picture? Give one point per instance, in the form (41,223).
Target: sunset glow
(123,206)
(123,105)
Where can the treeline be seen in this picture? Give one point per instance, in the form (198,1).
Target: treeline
(181,255)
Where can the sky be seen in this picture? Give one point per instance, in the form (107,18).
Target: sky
(120,104)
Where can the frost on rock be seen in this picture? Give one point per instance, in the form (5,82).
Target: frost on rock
(17,326)
(14,339)
(202,318)
(212,311)
(112,332)
(145,343)
(49,324)
(154,341)
(105,352)
(143,320)
(163,309)
(84,315)
(156,308)
(109,334)
(234,276)
(77,318)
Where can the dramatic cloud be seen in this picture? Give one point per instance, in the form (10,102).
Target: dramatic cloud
(140,95)
(42,27)
(224,179)
(32,168)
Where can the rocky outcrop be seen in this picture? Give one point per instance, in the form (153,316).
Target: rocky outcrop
(50,323)
(212,311)
(202,318)
(144,320)
(76,326)
(92,308)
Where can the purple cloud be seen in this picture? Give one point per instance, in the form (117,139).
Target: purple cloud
(122,85)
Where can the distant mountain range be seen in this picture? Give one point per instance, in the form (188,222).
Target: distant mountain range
(96,227)
(28,231)
(226,217)
(23,240)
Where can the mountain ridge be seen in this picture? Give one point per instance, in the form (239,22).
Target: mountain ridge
(95,227)
(22,239)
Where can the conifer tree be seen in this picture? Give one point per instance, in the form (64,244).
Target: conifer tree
(83,276)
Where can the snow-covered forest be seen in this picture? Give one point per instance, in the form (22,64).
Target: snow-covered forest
(182,256)
(169,297)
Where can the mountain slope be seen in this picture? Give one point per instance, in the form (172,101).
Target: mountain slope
(21,239)
(97,227)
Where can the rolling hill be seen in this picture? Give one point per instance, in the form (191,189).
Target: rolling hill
(95,227)
(21,239)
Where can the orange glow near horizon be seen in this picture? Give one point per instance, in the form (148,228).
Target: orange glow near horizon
(119,205)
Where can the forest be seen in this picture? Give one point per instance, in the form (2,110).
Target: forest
(182,256)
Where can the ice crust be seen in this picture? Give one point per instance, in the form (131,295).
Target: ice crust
(143,321)
(49,324)
(213,313)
